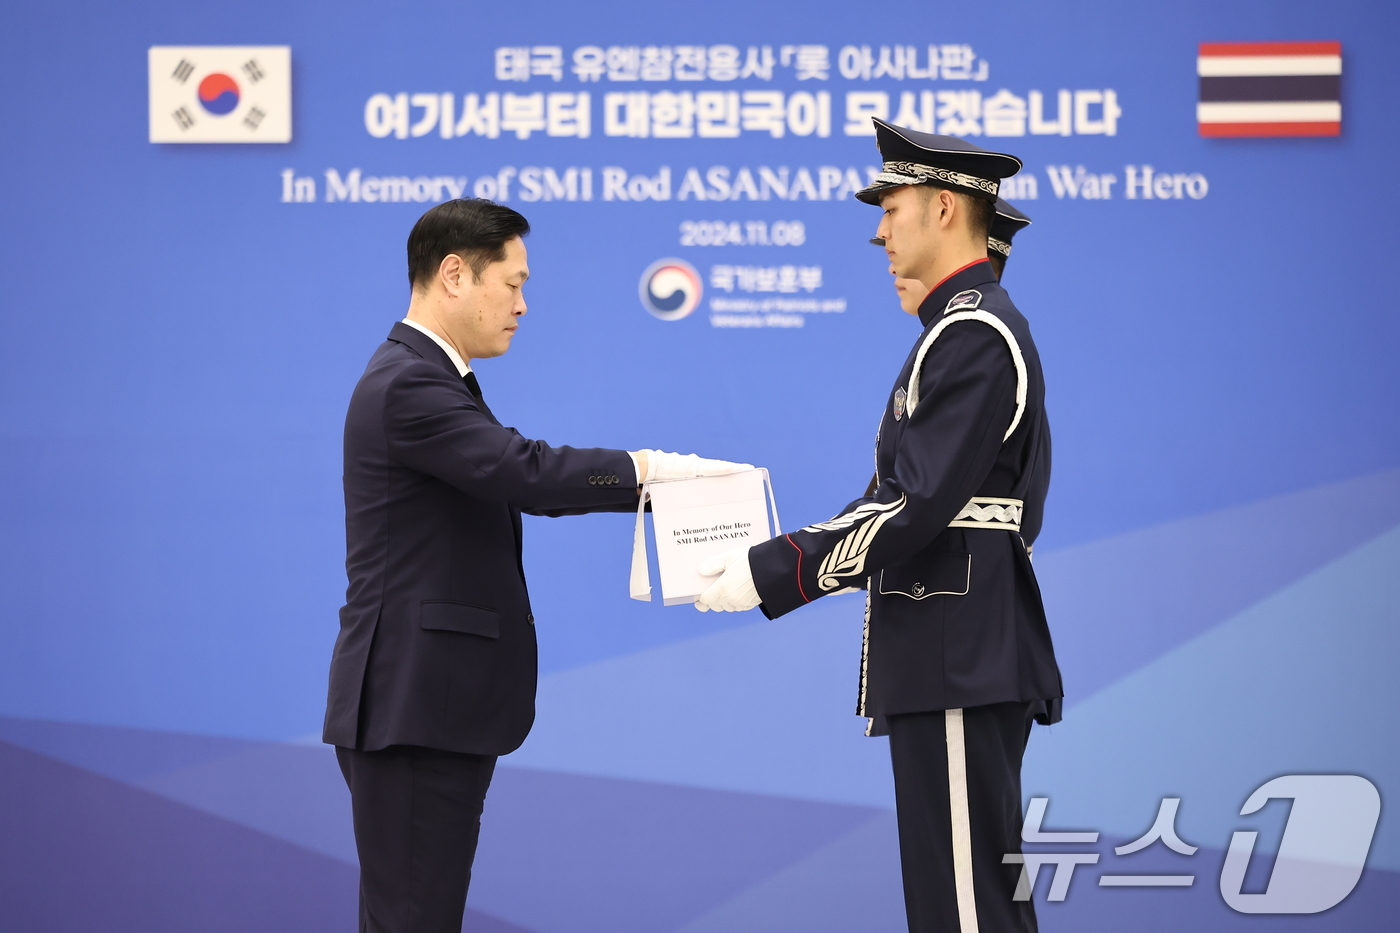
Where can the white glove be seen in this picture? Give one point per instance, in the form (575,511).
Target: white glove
(664,466)
(734,590)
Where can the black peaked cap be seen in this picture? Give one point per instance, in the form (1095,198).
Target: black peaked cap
(1006,223)
(914,158)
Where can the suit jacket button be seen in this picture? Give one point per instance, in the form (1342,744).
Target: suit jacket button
(614,479)
(593,481)
(530,618)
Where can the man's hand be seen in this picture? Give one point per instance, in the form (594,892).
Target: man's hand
(734,590)
(654,465)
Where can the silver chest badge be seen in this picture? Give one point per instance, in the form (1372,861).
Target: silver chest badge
(899,398)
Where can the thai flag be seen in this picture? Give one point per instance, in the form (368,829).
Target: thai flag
(1270,89)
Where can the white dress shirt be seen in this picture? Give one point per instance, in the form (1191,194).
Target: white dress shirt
(462,366)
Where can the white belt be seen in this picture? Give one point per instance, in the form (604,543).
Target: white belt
(990,513)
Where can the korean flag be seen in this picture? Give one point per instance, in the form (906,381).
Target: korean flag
(221,93)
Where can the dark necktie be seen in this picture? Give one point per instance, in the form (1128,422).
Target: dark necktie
(472,385)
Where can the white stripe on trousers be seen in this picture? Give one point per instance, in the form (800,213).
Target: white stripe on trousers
(961,822)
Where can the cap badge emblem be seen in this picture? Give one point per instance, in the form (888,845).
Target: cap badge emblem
(968,299)
(899,398)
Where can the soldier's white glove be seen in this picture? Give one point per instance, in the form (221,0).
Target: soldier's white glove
(734,590)
(664,466)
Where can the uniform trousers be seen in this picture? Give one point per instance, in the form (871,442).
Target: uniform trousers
(417,814)
(957,782)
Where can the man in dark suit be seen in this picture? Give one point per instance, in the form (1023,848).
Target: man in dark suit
(434,670)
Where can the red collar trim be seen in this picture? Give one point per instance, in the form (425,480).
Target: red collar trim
(953,273)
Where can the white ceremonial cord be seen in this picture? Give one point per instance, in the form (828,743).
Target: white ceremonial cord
(912,392)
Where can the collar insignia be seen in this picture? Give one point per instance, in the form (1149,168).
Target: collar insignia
(968,299)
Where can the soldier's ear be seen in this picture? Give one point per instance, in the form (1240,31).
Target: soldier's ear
(947,207)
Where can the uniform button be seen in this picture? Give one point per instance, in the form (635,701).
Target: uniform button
(614,478)
(593,481)
(530,618)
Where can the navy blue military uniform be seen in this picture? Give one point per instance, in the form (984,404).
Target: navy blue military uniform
(970,450)
(957,657)
(434,670)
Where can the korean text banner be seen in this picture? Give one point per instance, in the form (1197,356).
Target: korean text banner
(206,216)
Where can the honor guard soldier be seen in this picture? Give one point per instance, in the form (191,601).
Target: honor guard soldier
(1006,223)
(957,659)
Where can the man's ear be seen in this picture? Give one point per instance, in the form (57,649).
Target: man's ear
(451,272)
(947,207)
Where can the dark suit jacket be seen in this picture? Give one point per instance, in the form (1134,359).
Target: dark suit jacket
(437,641)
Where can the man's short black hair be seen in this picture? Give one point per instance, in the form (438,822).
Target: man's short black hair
(980,215)
(473,228)
(980,211)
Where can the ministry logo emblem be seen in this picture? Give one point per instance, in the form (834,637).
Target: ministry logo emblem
(220,93)
(670,289)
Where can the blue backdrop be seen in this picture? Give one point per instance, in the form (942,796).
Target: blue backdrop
(1220,549)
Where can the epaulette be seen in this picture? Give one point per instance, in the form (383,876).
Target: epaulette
(963,301)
